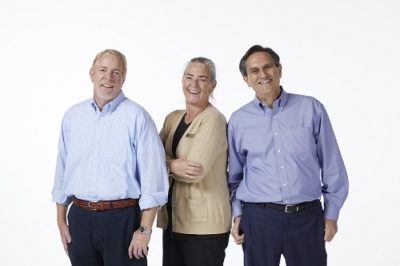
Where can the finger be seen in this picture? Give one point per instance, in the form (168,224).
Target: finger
(136,252)
(236,236)
(140,253)
(130,251)
(196,171)
(65,245)
(66,239)
(326,237)
(329,234)
(195,165)
(239,240)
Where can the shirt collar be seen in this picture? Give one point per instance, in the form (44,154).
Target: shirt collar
(280,102)
(111,106)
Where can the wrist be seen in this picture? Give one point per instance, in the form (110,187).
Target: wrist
(144,230)
(169,168)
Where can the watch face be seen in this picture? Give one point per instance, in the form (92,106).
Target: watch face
(144,230)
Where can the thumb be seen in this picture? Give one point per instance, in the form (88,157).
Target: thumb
(68,237)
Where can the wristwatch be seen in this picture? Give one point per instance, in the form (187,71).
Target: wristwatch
(144,230)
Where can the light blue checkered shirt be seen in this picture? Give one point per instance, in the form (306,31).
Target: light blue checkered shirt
(110,155)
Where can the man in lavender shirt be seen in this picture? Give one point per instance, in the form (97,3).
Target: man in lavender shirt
(283,156)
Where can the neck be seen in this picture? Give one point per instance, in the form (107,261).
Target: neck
(100,103)
(192,112)
(269,99)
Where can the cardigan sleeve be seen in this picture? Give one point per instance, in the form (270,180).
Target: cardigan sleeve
(208,143)
(166,134)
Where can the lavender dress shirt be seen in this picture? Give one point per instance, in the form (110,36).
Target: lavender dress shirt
(285,155)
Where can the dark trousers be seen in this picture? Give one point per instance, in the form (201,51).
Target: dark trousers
(194,251)
(270,233)
(102,238)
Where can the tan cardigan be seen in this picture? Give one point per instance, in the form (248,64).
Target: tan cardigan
(201,205)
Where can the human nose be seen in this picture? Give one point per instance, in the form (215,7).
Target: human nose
(264,73)
(194,82)
(108,75)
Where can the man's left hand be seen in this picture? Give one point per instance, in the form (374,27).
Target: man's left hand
(330,229)
(139,245)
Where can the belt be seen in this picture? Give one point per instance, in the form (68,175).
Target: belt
(291,208)
(104,205)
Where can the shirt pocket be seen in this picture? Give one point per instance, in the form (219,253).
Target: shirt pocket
(299,140)
(196,210)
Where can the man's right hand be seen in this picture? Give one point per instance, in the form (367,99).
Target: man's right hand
(65,236)
(63,226)
(235,232)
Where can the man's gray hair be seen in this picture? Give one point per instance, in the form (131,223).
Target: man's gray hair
(118,54)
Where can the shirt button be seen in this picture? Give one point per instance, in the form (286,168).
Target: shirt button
(276,133)
(281,166)
(284,184)
(279,150)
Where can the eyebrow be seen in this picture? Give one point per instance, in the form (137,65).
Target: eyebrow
(112,69)
(265,65)
(191,75)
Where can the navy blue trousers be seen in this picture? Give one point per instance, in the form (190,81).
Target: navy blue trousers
(102,238)
(270,233)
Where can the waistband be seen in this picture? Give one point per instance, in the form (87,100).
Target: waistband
(104,204)
(290,208)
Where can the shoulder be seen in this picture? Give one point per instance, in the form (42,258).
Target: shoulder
(128,104)
(305,103)
(295,99)
(300,97)
(133,110)
(78,109)
(242,112)
(174,116)
(213,114)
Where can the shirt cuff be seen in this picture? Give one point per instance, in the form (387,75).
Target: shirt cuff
(331,212)
(61,198)
(236,208)
(148,201)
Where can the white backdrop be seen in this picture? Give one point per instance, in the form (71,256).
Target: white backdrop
(345,53)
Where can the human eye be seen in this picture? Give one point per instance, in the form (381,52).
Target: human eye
(268,66)
(254,71)
(102,70)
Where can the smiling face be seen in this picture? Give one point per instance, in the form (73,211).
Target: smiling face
(197,84)
(263,76)
(107,77)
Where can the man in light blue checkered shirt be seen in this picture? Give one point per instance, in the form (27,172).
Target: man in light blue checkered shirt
(111,167)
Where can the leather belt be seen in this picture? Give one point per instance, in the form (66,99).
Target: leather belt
(290,208)
(104,204)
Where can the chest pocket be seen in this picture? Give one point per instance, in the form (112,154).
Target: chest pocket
(299,140)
